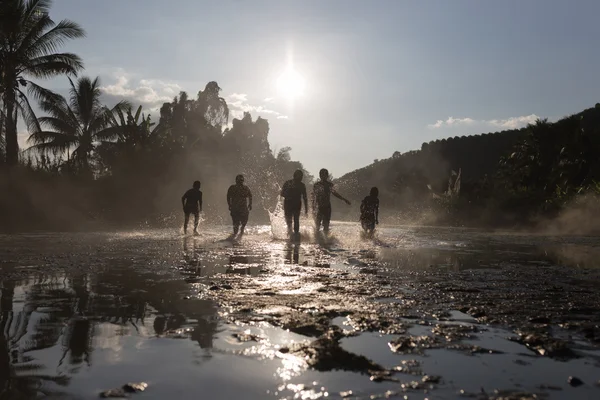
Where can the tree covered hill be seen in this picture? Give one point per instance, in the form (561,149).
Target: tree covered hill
(521,171)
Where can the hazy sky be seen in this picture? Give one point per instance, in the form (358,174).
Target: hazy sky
(380,76)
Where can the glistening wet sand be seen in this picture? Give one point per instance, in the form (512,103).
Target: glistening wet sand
(424,313)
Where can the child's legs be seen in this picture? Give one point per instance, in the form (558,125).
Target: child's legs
(244,219)
(296,220)
(235,219)
(185,221)
(196,220)
(318,219)
(326,218)
(288,214)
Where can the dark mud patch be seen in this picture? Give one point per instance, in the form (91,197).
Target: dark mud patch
(541,343)
(326,354)
(125,390)
(307,324)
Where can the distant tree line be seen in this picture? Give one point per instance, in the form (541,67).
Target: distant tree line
(88,162)
(506,178)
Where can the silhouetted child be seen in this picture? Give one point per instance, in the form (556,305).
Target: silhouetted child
(239,200)
(293,192)
(369,211)
(192,204)
(321,199)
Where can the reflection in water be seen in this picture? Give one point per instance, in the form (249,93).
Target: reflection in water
(78,342)
(292,253)
(79,312)
(204,332)
(163,324)
(20,377)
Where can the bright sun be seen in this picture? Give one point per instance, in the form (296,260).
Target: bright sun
(291,84)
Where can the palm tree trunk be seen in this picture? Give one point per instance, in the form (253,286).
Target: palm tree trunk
(12,145)
(2,109)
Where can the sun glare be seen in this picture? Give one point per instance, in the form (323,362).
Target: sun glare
(291,84)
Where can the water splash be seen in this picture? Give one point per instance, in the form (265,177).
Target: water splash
(279,227)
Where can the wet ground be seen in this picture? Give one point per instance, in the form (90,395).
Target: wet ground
(415,313)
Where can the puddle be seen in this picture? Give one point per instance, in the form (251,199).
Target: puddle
(83,313)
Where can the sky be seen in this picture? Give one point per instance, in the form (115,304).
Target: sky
(379,76)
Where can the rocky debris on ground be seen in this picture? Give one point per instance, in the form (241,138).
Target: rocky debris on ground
(305,324)
(454,333)
(409,367)
(371,322)
(413,344)
(134,387)
(246,337)
(385,375)
(123,392)
(541,343)
(574,381)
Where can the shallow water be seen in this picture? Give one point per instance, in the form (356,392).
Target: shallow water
(86,312)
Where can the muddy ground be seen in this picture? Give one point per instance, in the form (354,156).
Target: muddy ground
(403,316)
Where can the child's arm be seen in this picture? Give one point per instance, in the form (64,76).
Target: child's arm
(305,197)
(249,200)
(183,199)
(377,212)
(200,202)
(339,196)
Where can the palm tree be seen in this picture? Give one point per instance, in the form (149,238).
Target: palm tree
(134,132)
(29,40)
(76,126)
(135,138)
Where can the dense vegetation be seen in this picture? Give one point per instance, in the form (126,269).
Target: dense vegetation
(91,163)
(506,178)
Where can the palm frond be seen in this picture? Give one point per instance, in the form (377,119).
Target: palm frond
(85,102)
(32,30)
(59,125)
(107,134)
(53,39)
(137,114)
(27,113)
(46,141)
(54,64)
(122,105)
(33,8)
(41,94)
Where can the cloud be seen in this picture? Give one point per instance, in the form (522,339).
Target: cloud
(515,122)
(451,121)
(150,93)
(238,104)
(509,123)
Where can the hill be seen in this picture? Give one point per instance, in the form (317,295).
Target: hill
(414,186)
